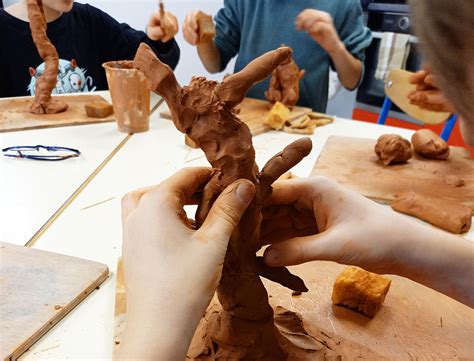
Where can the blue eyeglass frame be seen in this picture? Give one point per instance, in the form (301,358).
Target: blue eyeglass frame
(52,158)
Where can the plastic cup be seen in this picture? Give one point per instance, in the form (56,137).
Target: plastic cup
(130,92)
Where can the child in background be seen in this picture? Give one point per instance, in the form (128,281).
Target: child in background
(322,34)
(84,36)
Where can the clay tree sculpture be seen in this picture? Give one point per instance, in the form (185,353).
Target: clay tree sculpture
(285,84)
(46,82)
(243,329)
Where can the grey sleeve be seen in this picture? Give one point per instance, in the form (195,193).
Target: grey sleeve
(227,37)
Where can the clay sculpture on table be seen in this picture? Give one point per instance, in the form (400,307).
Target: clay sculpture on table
(46,82)
(428,144)
(285,84)
(243,327)
(393,149)
(450,216)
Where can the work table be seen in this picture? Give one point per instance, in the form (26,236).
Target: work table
(91,188)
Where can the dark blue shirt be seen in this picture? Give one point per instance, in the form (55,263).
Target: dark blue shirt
(85,38)
(250,28)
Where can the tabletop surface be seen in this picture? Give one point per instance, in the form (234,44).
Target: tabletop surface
(31,191)
(90,227)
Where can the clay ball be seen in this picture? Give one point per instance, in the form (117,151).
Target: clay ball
(428,144)
(393,149)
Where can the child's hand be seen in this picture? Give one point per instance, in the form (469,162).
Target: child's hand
(317,219)
(171,270)
(427,94)
(162,28)
(191,28)
(320,26)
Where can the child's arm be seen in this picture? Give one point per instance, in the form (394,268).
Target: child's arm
(342,226)
(207,50)
(120,41)
(216,54)
(320,26)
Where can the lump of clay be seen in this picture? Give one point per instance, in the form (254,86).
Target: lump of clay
(46,82)
(285,84)
(206,28)
(360,290)
(99,109)
(428,144)
(450,216)
(393,149)
(277,117)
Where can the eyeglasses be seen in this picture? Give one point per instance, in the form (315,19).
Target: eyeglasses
(40,152)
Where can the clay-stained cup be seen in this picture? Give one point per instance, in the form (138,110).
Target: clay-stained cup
(130,91)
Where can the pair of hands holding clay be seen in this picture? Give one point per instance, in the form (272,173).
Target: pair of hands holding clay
(172,270)
(318,24)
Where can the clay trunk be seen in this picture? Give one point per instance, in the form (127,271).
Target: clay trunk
(46,82)
(244,329)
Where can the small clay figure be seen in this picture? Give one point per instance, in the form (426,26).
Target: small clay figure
(428,144)
(393,149)
(244,328)
(46,82)
(285,84)
(450,216)
(206,28)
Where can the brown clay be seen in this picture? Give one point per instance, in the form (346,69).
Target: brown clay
(46,82)
(454,180)
(206,28)
(452,217)
(428,144)
(130,94)
(285,84)
(98,109)
(393,149)
(244,327)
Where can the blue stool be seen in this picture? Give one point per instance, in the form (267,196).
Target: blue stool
(445,133)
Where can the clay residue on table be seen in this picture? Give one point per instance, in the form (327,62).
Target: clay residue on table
(243,328)
(46,82)
(450,216)
(393,149)
(285,84)
(454,180)
(428,144)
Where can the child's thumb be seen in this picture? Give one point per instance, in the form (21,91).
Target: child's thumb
(227,210)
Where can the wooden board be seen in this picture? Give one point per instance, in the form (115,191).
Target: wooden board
(353,163)
(415,323)
(254,111)
(15,115)
(37,289)
(397,88)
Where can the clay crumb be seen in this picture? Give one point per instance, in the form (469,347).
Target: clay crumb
(117,342)
(296,293)
(455,181)
(57,307)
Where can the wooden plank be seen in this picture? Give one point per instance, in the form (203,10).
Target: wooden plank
(353,163)
(397,88)
(37,290)
(415,322)
(253,112)
(15,115)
